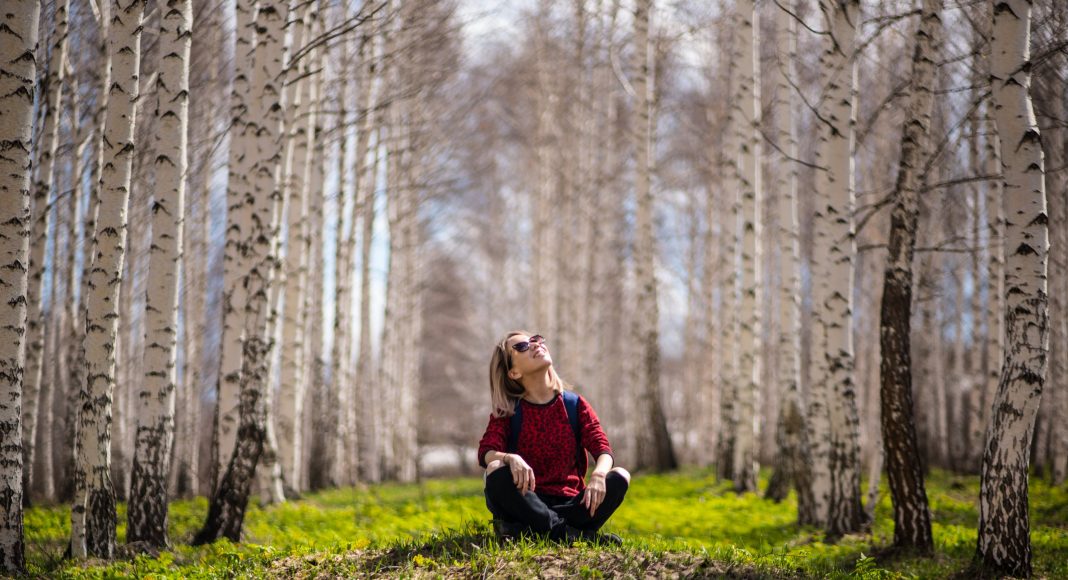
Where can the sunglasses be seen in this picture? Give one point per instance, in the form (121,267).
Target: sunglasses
(526,344)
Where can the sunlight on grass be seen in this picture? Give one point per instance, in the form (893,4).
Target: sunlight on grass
(680,524)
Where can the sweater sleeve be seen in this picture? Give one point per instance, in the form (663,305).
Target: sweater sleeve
(494,439)
(593,437)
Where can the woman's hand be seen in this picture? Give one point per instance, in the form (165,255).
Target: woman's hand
(594,492)
(522,474)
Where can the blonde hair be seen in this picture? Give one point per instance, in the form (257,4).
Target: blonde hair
(504,390)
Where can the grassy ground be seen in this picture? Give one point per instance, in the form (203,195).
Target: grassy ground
(682,524)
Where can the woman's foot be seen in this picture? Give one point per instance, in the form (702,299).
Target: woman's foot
(576,535)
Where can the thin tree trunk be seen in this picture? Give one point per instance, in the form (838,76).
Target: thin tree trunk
(301,134)
(792,465)
(236,262)
(147,510)
(226,511)
(365,184)
(343,274)
(912,517)
(1058,205)
(747,99)
(834,389)
(18,44)
(1004,526)
(42,195)
(93,530)
(654,447)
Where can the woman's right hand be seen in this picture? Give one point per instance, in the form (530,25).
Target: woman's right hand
(522,474)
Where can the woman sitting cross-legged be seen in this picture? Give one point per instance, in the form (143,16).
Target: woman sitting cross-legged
(534,450)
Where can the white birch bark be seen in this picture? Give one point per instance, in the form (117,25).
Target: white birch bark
(301,133)
(654,447)
(342,275)
(912,517)
(42,195)
(18,71)
(365,371)
(730,304)
(836,467)
(364,181)
(265,120)
(1004,526)
(747,104)
(994,345)
(236,262)
(93,528)
(147,511)
(793,447)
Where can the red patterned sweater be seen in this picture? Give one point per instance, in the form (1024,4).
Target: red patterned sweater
(547,444)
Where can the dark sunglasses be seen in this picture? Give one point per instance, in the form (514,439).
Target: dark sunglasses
(526,344)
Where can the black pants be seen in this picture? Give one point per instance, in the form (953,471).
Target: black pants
(549,513)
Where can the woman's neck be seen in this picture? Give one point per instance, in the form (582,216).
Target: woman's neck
(539,387)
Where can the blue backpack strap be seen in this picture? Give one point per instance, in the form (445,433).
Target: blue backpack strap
(571,401)
(515,426)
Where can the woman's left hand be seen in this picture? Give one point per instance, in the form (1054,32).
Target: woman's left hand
(595,491)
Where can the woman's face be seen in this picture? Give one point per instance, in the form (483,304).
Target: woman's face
(535,358)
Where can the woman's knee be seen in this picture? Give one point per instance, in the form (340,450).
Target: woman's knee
(623,473)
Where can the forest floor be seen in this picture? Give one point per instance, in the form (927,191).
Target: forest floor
(683,524)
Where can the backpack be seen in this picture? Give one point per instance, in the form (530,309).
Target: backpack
(571,404)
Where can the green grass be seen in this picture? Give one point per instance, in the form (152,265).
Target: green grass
(685,524)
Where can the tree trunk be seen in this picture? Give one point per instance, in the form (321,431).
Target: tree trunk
(301,134)
(1004,544)
(654,447)
(792,465)
(834,389)
(912,517)
(93,529)
(236,263)
(18,44)
(226,511)
(747,99)
(155,415)
(42,195)
(1058,280)
(339,372)
(363,185)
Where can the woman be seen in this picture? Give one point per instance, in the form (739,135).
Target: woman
(534,478)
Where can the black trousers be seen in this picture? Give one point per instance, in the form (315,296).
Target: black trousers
(550,514)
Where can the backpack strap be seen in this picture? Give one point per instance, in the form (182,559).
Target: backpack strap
(571,401)
(516,425)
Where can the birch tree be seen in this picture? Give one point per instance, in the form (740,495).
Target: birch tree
(1004,525)
(236,262)
(654,448)
(266,115)
(93,526)
(747,102)
(339,371)
(300,127)
(912,517)
(155,414)
(18,72)
(791,464)
(52,89)
(836,465)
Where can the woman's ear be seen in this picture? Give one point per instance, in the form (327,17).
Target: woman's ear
(514,374)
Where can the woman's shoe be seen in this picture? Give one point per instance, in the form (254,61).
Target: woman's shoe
(505,530)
